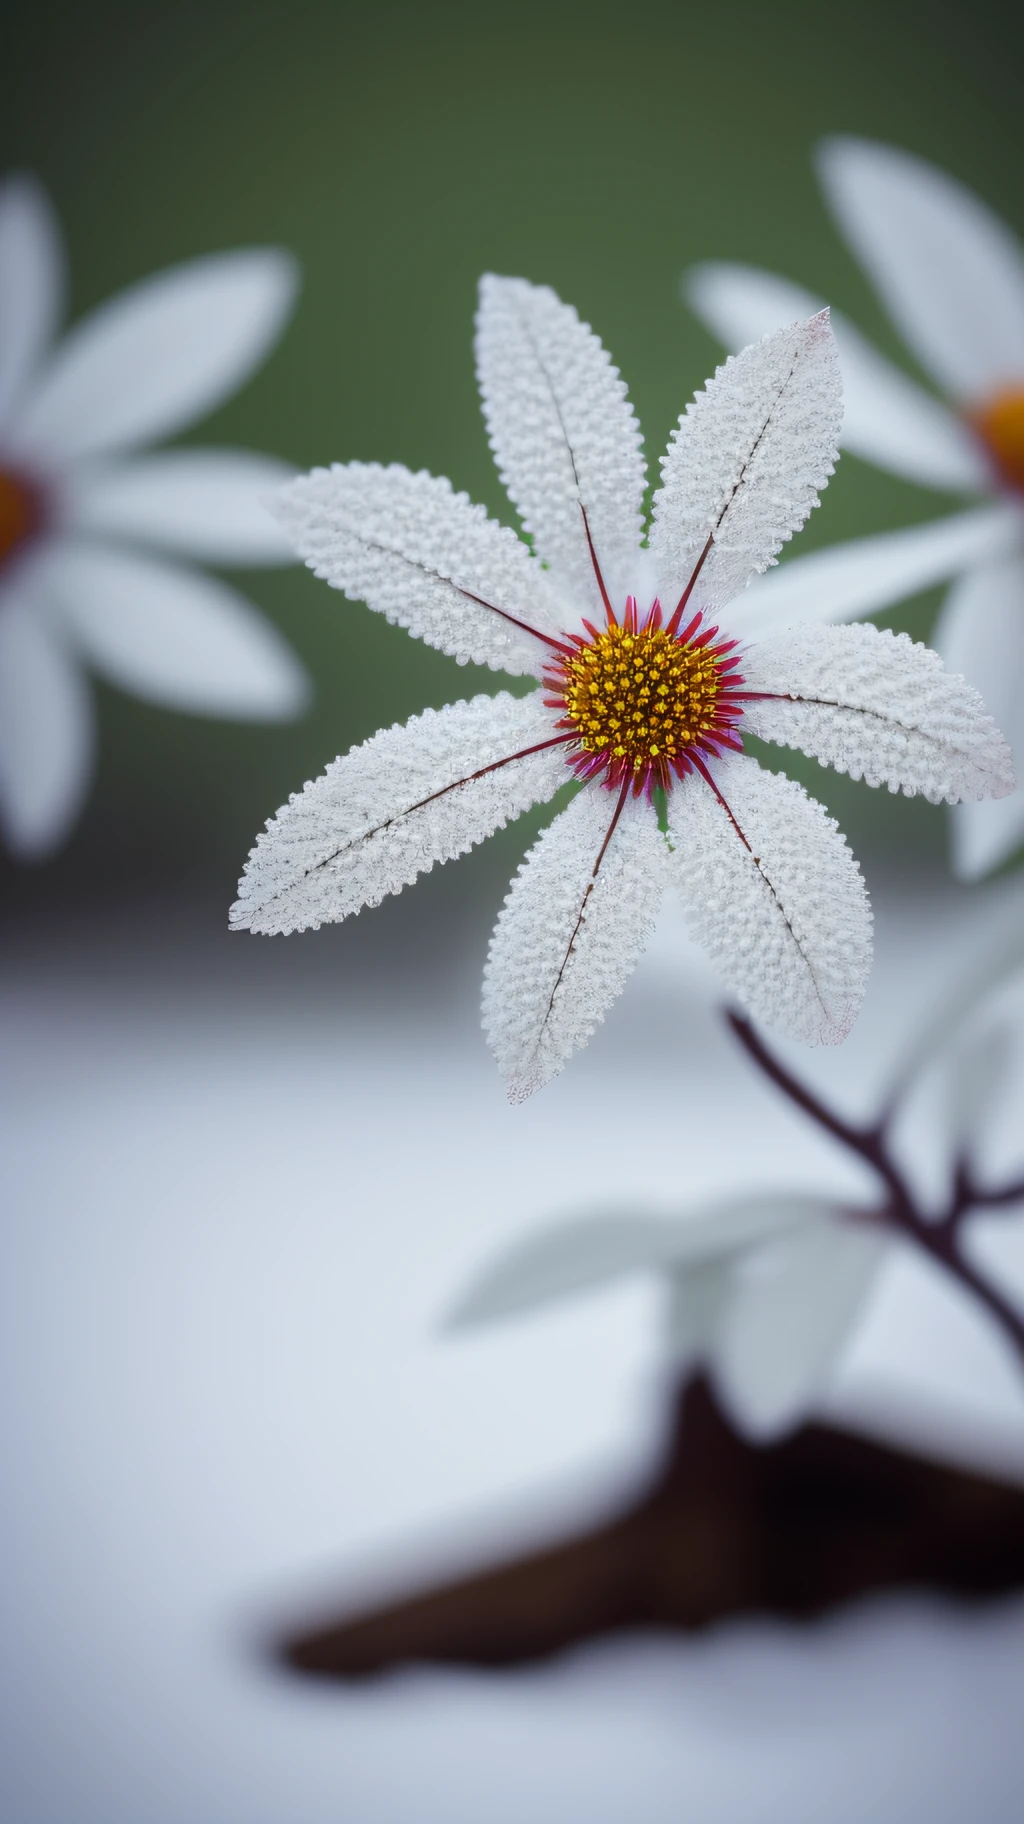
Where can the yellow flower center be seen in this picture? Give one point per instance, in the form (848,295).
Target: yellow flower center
(20,513)
(1000,424)
(642,698)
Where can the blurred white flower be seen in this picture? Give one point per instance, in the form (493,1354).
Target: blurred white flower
(628,701)
(764,1291)
(78,584)
(952,277)
(760,1291)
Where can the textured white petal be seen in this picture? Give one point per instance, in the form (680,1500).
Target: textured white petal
(879,707)
(980,632)
(211,504)
(46,731)
(887,418)
(563,434)
(747,461)
(865,574)
(383,813)
(786,920)
(571,1257)
(173,636)
(31,285)
(566,942)
(159,355)
(950,272)
(789,1315)
(410,547)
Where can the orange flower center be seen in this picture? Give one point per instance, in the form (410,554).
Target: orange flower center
(1000,425)
(21,512)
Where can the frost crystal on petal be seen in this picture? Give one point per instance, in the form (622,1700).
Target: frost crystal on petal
(410,547)
(362,830)
(563,433)
(782,909)
(566,942)
(747,461)
(875,705)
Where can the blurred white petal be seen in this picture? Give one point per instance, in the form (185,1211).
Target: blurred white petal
(987,955)
(980,632)
(46,730)
(866,574)
(159,355)
(977,1075)
(574,1256)
(173,636)
(791,1310)
(887,418)
(781,908)
(697,1300)
(388,810)
(567,938)
(880,707)
(31,284)
(563,434)
(950,272)
(210,504)
(747,462)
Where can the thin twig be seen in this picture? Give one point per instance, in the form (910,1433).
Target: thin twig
(940,1238)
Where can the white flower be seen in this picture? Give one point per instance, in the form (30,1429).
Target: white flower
(952,277)
(77,584)
(630,698)
(763,1292)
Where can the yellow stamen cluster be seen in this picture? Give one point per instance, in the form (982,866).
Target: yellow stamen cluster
(1000,423)
(643,698)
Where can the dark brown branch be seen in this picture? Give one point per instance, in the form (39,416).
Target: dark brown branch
(938,1237)
(726,1526)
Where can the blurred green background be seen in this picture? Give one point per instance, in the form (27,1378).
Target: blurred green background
(401,149)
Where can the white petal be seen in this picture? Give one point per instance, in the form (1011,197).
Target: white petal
(567,1258)
(866,574)
(697,1300)
(875,705)
(570,1257)
(980,632)
(747,460)
(211,504)
(887,418)
(388,810)
(427,559)
(782,910)
(950,272)
(567,941)
(46,731)
(977,1077)
(31,285)
(173,636)
(790,1313)
(159,355)
(563,435)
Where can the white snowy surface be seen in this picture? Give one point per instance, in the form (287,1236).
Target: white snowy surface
(241,1193)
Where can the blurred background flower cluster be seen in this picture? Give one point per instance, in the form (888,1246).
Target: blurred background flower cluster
(246,1180)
